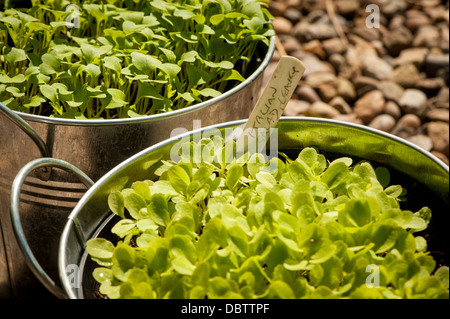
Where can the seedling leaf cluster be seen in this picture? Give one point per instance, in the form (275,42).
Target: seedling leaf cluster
(303,228)
(123,58)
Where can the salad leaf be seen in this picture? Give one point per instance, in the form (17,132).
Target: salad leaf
(308,228)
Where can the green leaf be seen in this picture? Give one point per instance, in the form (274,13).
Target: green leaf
(239,238)
(113,63)
(384,235)
(189,56)
(15,55)
(383,176)
(92,69)
(144,62)
(216,19)
(335,175)
(133,202)
(227,65)
(280,290)
(123,260)
(200,276)
(308,156)
(100,248)
(158,210)
(14,91)
(443,274)
(148,90)
(50,92)
(358,212)
(182,246)
(421,244)
(232,75)
(17,79)
(35,101)
(233,176)
(143,189)
(197,76)
(184,14)
(115,98)
(266,179)
(178,178)
(50,64)
(102,274)
(182,265)
(123,227)
(207,92)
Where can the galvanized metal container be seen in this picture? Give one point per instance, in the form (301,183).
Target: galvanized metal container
(426,178)
(95,146)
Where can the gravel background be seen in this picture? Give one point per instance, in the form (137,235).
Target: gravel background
(394,77)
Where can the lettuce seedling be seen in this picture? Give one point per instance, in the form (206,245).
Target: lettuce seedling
(127,58)
(311,228)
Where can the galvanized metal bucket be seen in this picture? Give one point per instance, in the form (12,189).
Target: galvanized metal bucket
(425,176)
(95,146)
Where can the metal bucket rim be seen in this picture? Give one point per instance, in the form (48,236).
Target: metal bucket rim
(63,239)
(148,118)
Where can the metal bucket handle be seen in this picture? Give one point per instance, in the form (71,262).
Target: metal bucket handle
(15,216)
(24,126)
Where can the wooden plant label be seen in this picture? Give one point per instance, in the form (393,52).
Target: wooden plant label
(276,94)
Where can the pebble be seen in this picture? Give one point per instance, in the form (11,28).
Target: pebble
(319,78)
(437,64)
(383,122)
(293,15)
(346,8)
(315,47)
(282,25)
(414,56)
(306,32)
(407,75)
(413,101)
(393,109)
(415,19)
(397,22)
(334,46)
(438,14)
(290,43)
(307,93)
(369,106)
(407,126)
(315,65)
(391,90)
(438,115)
(365,84)
(367,33)
(439,134)
(390,8)
(346,89)
(339,103)
(393,78)
(277,8)
(430,86)
(376,67)
(422,141)
(444,44)
(443,95)
(327,91)
(397,40)
(296,107)
(322,109)
(427,36)
(337,61)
